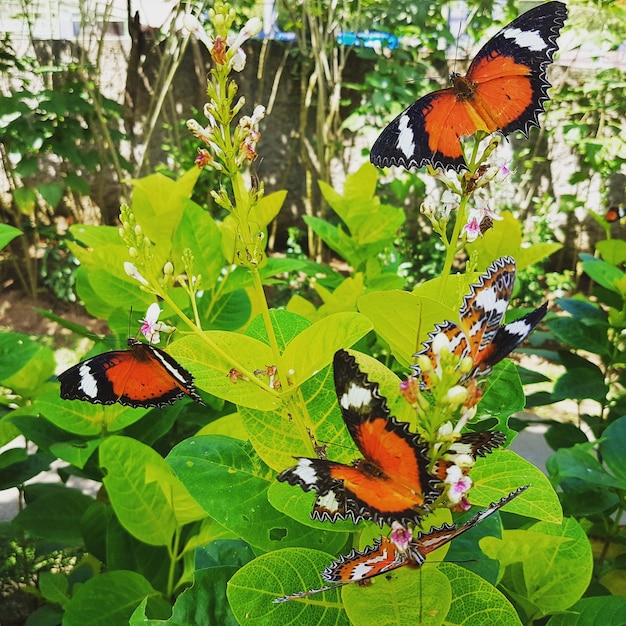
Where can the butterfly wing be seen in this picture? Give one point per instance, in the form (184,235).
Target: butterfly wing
(510,70)
(485,305)
(143,376)
(392,482)
(88,381)
(437,537)
(360,565)
(505,89)
(507,338)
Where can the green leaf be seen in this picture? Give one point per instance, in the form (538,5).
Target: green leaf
(404,597)
(503,471)
(581,384)
(580,335)
(548,567)
(237,498)
(211,361)
(314,347)
(82,418)
(54,587)
(202,604)
(603,273)
(612,446)
(505,238)
(17,473)
(108,599)
(503,394)
(147,497)
(25,199)
(268,208)
(198,231)
(404,319)
(25,364)
(7,234)
(253,589)
(56,514)
(605,610)
(580,462)
(75,452)
(475,601)
(613,251)
(51,193)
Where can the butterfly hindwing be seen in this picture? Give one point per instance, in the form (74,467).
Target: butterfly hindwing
(505,90)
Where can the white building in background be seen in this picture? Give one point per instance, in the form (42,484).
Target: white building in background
(64,19)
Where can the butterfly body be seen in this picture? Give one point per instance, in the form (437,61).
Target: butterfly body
(142,376)
(504,90)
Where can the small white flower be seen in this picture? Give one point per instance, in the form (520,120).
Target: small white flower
(133,272)
(459,484)
(193,25)
(238,62)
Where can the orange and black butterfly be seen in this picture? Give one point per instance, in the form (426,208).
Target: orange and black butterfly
(615,213)
(480,333)
(385,556)
(142,376)
(504,90)
(391,483)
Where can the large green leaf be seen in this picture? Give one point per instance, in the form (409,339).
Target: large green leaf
(475,601)
(548,567)
(55,514)
(109,599)
(253,589)
(236,495)
(25,364)
(612,446)
(210,358)
(503,471)
(599,610)
(403,319)
(198,231)
(314,347)
(147,497)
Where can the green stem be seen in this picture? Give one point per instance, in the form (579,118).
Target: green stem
(451,245)
(269,327)
(215,348)
(173,553)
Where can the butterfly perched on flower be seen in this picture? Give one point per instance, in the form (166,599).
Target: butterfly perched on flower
(479,334)
(391,482)
(504,90)
(142,376)
(385,555)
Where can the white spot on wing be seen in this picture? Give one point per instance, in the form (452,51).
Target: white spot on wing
(356,397)
(519,328)
(88,384)
(406,138)
(488,300)
(305,472)
(529,39)
(362,570)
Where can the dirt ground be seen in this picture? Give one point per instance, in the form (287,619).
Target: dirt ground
(19,313)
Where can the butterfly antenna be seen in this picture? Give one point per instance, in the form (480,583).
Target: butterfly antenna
(130,321)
